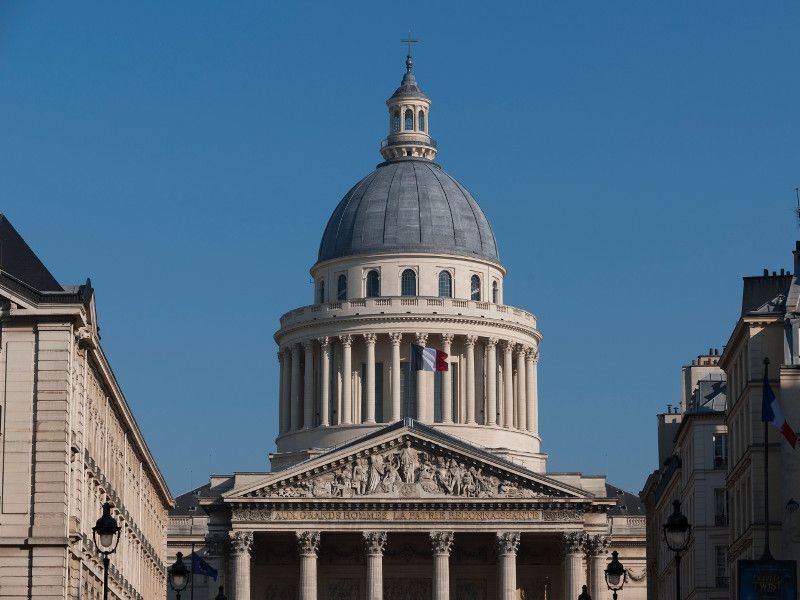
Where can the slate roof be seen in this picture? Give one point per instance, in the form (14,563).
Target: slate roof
(189,503)
(408,205)
(627,503)
(408,87)
(18,260)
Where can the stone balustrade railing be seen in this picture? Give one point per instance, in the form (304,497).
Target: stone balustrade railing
(405,304)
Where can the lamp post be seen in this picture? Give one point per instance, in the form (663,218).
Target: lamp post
(677,532)
(615,574)
(220,595)
(178,576)
(585,594)
(105,534)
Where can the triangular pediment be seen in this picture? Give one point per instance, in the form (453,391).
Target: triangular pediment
(406,461)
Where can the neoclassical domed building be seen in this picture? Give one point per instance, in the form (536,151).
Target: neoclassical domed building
(393,483)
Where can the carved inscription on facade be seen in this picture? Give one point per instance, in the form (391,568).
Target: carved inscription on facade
(277,515)
(405,470)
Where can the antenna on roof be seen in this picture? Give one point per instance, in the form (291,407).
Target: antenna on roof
(797,210)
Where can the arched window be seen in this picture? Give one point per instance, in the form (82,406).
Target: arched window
(409,119)
(321,292)
(373,284)
(445,284)
(341,287)
(408,283)
(421,121)
(396,121)
(475,288)
(495,294)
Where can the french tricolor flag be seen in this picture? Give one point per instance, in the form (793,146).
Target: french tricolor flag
(771,413)
(427,359)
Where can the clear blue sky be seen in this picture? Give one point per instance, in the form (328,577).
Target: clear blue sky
(634,159)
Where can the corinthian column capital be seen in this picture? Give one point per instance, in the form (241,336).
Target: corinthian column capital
(346,340)
(324,342)
(421,339)
(508,542)
(447,338)
(308,542)
(491,342)
(370,338)
(395,337)
(441,541)
(597,545)
(241,542)
(470,340)
(574,542)
(375,541)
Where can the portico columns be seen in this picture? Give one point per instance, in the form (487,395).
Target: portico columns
(308,546)
(491,381)
(522,419)
(241,546)
(597,546)
(369,339)
(308,386)
(441,543)
(470,344)
(296,399)
(530,392)
(421,340)
(395,339)
(508,380)
(325,383)
(573,555)
(347,399)
(507,546)
(447,382)
(375,542)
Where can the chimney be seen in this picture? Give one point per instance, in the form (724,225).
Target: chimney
(782,273)
(766,272)
(796,254)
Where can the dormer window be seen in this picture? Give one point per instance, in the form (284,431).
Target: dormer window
(409,125)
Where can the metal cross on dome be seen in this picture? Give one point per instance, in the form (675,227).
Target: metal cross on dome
(409,40)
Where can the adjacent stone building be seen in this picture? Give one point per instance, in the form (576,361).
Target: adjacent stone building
(693,459)
(68,443)
(394,483)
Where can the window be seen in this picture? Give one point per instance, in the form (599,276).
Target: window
(373,284)
(721,561)
(396,121)
(720,450)
(475,288)
(720,507)
(378,391)
(409,124)
(445,285)
(320,291)
(421,121)
(408,283)
(495,293)
(341,287)
(408,391)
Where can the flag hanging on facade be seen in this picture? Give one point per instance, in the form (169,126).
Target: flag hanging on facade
(771,413)
(201,567)
(427,359)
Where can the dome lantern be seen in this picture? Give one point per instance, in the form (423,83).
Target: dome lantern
(409,129)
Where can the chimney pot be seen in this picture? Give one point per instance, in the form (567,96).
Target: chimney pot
(766,272)
(782,273)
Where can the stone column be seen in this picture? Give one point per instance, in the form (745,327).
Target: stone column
(284,398)
(522,419)
(507,546)
(470,343)
(325,382)
(508,380)
(421,340)
(441,543)
(535,386)
(573,567)
(530,391)
(375,542)
(308,385)
(447,381)
(297,406)
(597,547)
(491,381)
(347,378)
(308,546)
(395,338)
(241,547)
(369,339)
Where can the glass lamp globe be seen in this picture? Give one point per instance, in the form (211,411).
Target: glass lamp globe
(615,573)
(106,531)
(677,529)
(178,574)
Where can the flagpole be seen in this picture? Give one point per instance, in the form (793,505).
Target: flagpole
(767,554)
(191,592)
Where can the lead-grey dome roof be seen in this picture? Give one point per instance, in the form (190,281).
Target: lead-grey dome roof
(408,205)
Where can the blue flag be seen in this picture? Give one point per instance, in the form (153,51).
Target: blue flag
(201,567)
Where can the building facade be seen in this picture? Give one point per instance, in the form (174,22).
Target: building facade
(693,459)
(68,443)
(767,329)
(393,483)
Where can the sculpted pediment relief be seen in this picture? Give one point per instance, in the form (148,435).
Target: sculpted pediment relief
(405,467)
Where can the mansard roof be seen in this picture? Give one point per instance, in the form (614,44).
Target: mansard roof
(18,260)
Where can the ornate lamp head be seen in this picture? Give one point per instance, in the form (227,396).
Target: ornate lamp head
(178,574)
(615,573)
(677,529)
(106,531)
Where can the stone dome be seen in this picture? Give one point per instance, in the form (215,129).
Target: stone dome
(408,205)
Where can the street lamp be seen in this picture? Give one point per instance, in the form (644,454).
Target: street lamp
(106,537)
(220,595)
(615,574)
(585,594)
(677,532)
(178,576)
